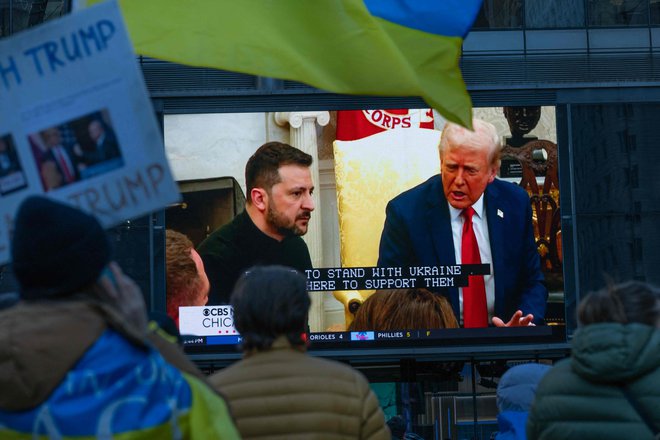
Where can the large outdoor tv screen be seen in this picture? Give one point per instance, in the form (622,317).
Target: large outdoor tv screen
(380,237)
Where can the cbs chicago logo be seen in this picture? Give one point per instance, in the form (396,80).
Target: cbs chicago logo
(218,311)
(218,317)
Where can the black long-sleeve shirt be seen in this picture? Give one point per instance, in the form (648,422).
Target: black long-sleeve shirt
(237,246)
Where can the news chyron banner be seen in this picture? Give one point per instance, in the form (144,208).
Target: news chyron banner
(382,278)
(207,321)
(76,122)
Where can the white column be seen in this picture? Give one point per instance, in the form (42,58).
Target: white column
(303,136)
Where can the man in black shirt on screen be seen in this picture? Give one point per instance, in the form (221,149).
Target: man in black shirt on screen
(278,208)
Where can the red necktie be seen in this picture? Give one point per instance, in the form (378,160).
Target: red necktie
(475,312)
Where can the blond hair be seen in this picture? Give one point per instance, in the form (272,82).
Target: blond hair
(484,136)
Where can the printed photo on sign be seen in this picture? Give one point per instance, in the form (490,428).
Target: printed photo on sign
(76,150)
(12,177)
(84,134)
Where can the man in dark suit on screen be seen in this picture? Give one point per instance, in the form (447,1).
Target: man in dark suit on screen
(105,141)
(466,216)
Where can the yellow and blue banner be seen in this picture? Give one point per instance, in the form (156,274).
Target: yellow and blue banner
(370,47)
(118,391)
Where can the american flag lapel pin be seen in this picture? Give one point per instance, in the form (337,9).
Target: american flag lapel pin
(500,214)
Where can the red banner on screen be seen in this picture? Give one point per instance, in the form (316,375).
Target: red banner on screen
(357,124)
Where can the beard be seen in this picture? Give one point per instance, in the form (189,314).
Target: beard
(284,225)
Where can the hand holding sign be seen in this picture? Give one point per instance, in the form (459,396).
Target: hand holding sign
(124,294)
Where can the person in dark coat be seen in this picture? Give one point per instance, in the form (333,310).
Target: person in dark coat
(610,386)
(278,209)
(438,222)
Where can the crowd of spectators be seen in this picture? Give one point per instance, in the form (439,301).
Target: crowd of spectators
(78,357)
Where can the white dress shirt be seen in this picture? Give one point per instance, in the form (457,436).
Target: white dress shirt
(480,226)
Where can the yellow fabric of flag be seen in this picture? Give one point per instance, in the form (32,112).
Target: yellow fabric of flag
(334,45)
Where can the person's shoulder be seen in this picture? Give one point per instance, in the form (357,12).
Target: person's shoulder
(294,362)
(509,187)
(221,237)
(295,241)
(226,375)
(560,373)
(336,369)
(420,191)
(509,190)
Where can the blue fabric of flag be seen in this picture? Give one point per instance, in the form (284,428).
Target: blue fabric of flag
(451,18)
(113,389)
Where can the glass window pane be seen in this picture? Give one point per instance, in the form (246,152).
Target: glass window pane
(655,11)
(4,18)
(554,14)
(617,192)
(500,14)
(618,12)
(3,27)
(28,13)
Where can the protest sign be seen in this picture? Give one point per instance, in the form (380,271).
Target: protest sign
(76,122)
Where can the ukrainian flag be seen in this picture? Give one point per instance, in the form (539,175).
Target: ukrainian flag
(370,47)
(116,391)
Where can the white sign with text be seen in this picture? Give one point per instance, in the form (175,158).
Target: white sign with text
(207,321)
(76,122)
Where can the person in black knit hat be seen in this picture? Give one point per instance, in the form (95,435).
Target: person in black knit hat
(56,249)
(76,356)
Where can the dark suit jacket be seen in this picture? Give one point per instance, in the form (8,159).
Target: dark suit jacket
(417,231)
(106,150)
(109,149)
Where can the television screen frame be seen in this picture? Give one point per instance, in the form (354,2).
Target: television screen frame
(448,341)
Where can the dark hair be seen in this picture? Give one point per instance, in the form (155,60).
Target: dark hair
(632,301)
(270,301)
(404,309)
(262,169)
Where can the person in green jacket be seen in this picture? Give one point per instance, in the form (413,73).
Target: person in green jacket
(610,386)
